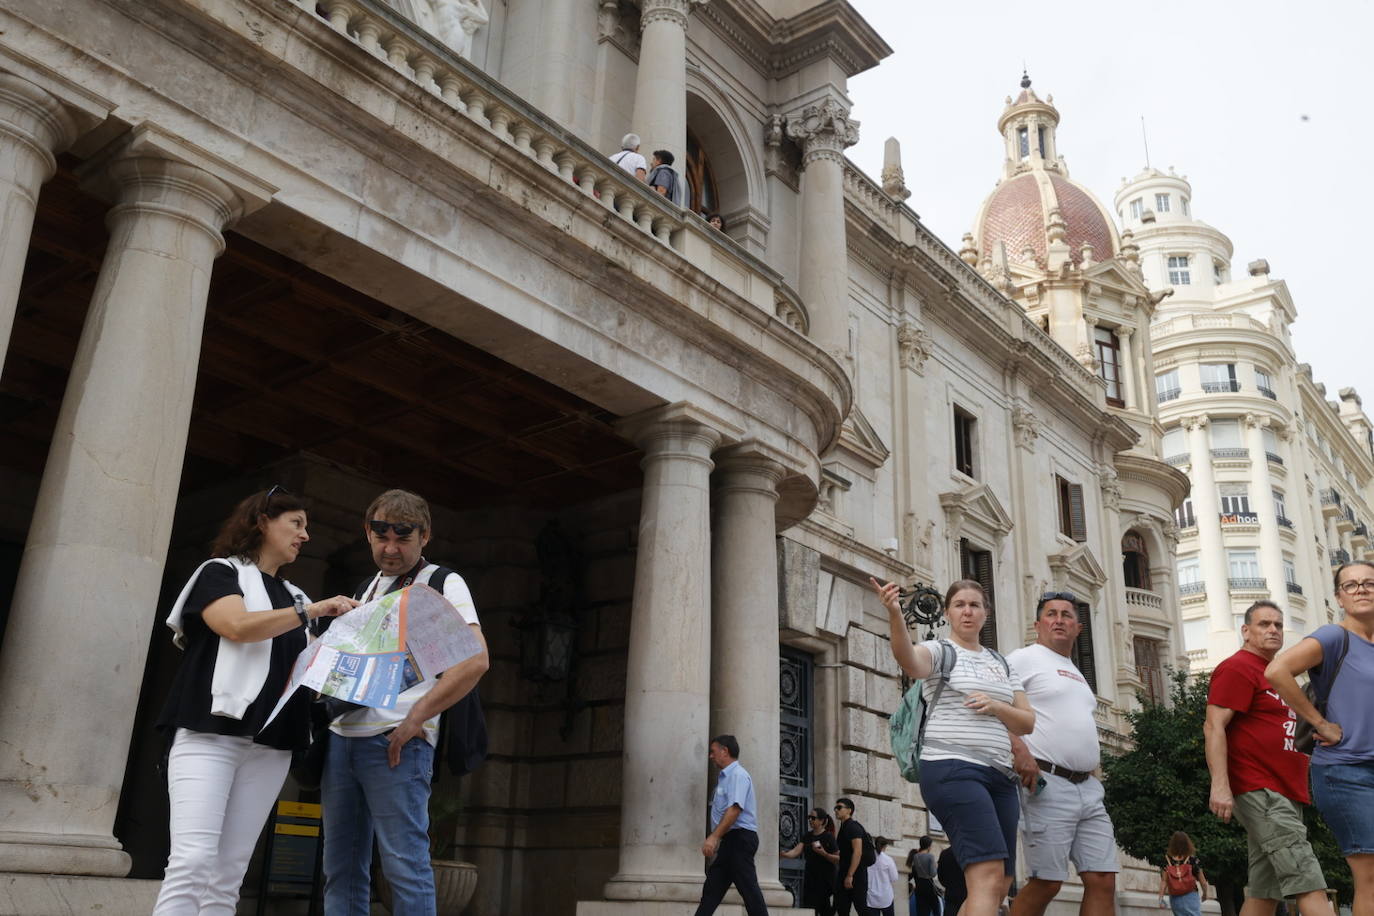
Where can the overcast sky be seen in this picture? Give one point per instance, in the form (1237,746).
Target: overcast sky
(1263,105)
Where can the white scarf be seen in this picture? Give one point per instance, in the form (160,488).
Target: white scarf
(240,667)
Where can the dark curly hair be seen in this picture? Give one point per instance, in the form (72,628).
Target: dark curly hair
(240,535)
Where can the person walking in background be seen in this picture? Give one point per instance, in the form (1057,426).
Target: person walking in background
(629,157)
(920,865)
(1340,658)
(1182,882)
(734,837)
(882,880)
(851,878)
(951,878)
(1061,796)
(241,626)
(1258,776)
(966,763)
(821,853)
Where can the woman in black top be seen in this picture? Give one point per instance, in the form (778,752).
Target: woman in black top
(821,854)
(242,627)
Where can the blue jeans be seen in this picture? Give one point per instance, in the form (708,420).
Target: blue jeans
(363,795)
(1189,904)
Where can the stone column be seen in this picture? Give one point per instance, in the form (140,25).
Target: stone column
(1207,510)
(824,130)
(74,651)
(1129,381)
(667,686)
(1262,501)
(33,127)
(744,633)
(660,112)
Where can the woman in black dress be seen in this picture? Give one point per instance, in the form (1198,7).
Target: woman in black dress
(821,854)
(242,627)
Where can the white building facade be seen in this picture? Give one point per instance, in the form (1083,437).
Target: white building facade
(1280,474)
(355,244)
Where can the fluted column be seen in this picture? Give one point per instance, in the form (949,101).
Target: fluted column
(1207,510)
(744,633)
(34,126)
(660,112)
(824,131)
(667,688)
(1127,369)
(88,584)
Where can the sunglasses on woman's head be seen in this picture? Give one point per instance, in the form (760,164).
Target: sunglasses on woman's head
(380,528)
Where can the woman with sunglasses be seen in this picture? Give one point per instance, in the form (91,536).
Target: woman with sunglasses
(821,854)
(966,775)
(1339,659)
(241,626)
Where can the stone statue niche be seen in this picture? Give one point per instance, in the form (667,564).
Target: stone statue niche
(453,22)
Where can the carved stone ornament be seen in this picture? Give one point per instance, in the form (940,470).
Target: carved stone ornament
(914,343)
(674,11)
(1026,426)
(894,182)
(1111,491)
(1171,533)
(1197,421)
(824,131)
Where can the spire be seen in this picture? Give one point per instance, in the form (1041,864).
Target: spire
(1028,126)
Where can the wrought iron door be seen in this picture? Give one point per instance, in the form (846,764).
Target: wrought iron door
(794,762)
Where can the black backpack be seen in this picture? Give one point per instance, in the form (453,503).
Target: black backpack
(870,852)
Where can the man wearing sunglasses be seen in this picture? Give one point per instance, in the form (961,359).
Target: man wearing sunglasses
(379,762)
(1064,818)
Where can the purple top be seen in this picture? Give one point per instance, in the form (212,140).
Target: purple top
(1348,703)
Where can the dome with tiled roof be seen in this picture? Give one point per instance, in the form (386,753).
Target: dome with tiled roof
(1036,210)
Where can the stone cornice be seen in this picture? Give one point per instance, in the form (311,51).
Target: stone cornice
(780,47)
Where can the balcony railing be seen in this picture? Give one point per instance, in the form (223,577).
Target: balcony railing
(1230,453)
(1246,583)
(1142,598)
(1239,518)
(1219,387)
(1267,392)
(1168,394)
(1338,557)
(1330,498)
(1293,588)
(1192,588)
(1178,460)
(1361,531)
(1285,522)
(1273,458)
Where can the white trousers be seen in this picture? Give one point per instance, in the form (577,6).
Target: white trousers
(221,790)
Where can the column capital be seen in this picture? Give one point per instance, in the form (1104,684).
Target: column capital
(752,465)
(36,120)
(1194,421)
(1255,421)
(824,130)
(651,429)
(1123,332)
(672,11)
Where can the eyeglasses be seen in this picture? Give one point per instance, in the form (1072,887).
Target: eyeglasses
(1364,585)
(380,528)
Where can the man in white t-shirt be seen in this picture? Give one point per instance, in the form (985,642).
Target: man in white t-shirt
(379,762)
(882,877)
(1063,818)
(629,157)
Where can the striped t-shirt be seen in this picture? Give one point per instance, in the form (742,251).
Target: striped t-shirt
(951,723)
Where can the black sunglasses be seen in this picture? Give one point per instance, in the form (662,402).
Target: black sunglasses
(380,528)
(1070,597)
(273,491)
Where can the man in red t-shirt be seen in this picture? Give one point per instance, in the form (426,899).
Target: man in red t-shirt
(1258,775)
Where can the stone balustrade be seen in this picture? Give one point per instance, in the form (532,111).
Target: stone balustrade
(1140,597)
(1182,323)
(385,34)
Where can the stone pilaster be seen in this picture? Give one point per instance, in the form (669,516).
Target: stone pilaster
(34,126)
(92,568)
(660,110)
(1211,551)
(667,688)
(744,633)
(824,131)
(1262,502)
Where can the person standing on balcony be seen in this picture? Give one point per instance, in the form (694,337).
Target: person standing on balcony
(664,179)
(1340,661)
(1258,775)
(629,157)
(1065,818)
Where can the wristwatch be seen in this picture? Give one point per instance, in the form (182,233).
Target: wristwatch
(299,601)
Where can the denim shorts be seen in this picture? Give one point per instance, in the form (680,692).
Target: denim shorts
(977,806)
(1344,794)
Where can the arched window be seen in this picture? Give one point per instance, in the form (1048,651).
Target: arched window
(701,182)
(1135,561)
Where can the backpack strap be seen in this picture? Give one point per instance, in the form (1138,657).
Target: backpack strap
(1325,695)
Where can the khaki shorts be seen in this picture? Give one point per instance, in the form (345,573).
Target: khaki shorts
(1282,863)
